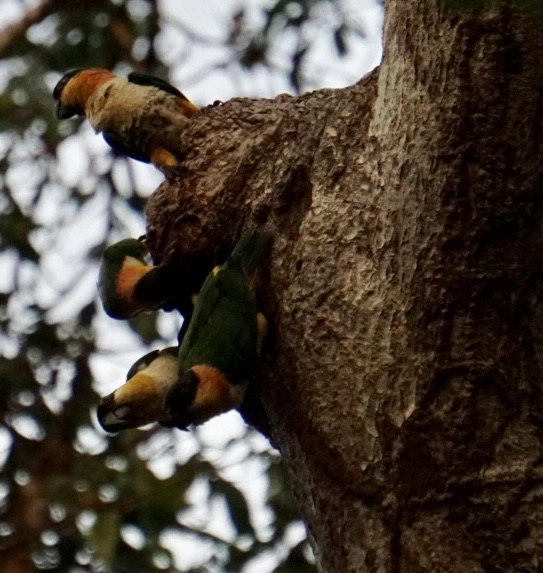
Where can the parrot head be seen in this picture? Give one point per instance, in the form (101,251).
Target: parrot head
(121,268)
(128,285)
(139,401)
(74,88)
(199,394)
(115,254)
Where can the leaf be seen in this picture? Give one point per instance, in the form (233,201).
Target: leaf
(280,496)
(296,562)
(105,534)
(145,325)
(236,505)
(339,40)
(15,228)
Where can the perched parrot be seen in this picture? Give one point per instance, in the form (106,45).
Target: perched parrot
(208,374)
(128,285)
(140,400)
(140,116)
(221,346)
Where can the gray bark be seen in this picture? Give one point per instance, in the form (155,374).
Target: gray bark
(402,383)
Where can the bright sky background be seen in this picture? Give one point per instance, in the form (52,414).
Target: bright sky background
(193,70)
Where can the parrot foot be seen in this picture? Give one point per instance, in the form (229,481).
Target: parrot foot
(163,160)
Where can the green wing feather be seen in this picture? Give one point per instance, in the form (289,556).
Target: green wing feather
(223,330)
(248,253)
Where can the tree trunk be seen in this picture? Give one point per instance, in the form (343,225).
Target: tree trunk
(402,383)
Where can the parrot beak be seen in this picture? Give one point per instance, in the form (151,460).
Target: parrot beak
(111,418)
(64,111)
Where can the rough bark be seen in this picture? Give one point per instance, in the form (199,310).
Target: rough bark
(402,383)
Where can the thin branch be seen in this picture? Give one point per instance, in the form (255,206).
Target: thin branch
(11,33)
(14,31)
(191,34)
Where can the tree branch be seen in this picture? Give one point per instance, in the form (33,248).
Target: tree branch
(13,32)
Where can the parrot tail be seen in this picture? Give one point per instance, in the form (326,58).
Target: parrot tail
(248,252)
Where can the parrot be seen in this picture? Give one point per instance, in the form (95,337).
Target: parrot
(139,115)
(127,285)
(221,346)
(140,400)
(225,341)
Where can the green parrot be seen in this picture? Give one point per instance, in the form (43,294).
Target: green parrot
(221,346)
(223,342)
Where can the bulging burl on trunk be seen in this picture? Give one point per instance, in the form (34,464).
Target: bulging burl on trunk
(249,162)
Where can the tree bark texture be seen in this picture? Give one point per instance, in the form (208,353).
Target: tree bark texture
(402,381)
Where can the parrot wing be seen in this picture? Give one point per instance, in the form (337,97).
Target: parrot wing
(222,332)
(199,320)
(248,253)
(185,106)
(146,80)
(141,363)
(123,147)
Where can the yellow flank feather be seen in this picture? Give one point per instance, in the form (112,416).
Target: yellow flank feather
(262,326)
(161,156)
(186,107)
